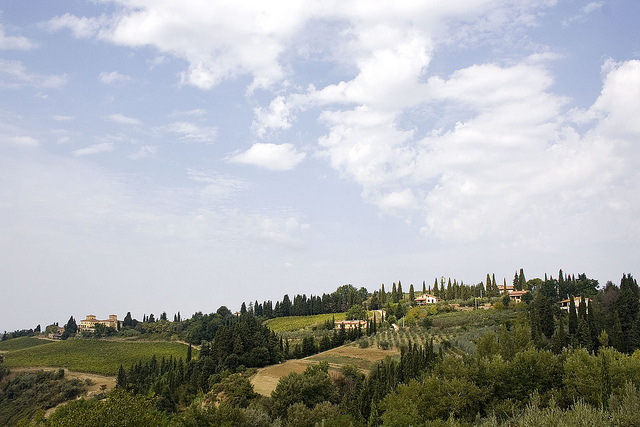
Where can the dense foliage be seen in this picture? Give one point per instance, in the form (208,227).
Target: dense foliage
(20,396)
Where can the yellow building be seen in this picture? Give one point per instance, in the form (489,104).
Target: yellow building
(89,323)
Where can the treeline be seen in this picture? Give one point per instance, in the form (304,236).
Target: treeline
(336,302)
(20,333)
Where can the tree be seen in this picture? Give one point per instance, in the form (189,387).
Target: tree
(573,317)
(71,327)
(356,312)
(121,380)
(412,295)
(128,321)
(311,387)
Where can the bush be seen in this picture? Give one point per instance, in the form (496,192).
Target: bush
(363,342)
(384,344)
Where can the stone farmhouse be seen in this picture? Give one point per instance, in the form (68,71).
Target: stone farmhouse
(427,299)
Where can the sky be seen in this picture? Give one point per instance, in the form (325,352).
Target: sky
(179,156)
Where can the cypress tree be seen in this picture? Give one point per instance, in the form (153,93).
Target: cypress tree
(121,380)
(617,339)
(582,308)
(488,285)
(412,295)
(573,317)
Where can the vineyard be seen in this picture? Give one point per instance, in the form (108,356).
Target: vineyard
(296,323)
(20,343)
(94,356)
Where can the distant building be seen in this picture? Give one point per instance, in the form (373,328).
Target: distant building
(510,289)
(427,299)
(517,295)
(566,303)
(351,324)
(57,335)
(90,322)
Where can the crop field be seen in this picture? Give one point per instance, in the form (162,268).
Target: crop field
(295,323)
(94,356)
(20,343)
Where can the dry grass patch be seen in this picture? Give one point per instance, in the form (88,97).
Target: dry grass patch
(266,379)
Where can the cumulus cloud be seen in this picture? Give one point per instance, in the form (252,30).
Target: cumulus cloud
(15,42)
(276,157)
(113,77)
(18,76)
(94,149)
(123,120)
(276,116)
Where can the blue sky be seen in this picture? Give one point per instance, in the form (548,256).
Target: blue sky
(161,156)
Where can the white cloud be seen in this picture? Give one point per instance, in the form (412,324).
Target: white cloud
(113,77)
(144,151)
(81,27)
(191,132)
(584,12)
(276,157)
(277,116)
(15,42)
(94,149)
(21,141)
(123,120)
(18,77)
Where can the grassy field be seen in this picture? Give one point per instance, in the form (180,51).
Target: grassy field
(266,379)
(295,323)
(99,357)
(20,343)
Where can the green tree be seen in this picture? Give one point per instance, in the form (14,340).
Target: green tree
(356,312)
(311,387)
(573,317)
(412,295)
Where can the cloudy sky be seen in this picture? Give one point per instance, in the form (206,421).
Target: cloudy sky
(177,156)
